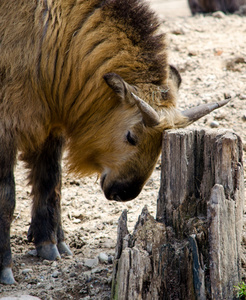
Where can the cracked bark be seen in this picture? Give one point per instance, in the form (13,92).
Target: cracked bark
(192,249)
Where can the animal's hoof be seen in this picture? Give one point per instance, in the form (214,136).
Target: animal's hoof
(64,249)
(48,251)
(6,276)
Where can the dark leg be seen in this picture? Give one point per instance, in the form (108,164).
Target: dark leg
(7,205)
(45,177)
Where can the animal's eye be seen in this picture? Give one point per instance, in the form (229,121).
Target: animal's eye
(131,139)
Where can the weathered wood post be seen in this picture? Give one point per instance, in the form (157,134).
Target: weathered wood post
(192,249)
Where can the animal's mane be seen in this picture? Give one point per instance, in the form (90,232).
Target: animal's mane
(141,26)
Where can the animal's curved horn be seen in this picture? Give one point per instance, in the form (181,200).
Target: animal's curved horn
(199,111)
(150,116)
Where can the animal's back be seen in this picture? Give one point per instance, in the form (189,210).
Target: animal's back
(54,55)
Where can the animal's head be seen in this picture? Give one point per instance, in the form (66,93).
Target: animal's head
(136,137)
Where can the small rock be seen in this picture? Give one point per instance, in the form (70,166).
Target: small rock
(218,52)
(87,275)
(100,226)
(55,274)
(239,60)
(76,221)
(79,265)
(33,252)
(110,259)
(75,182)
(108,244)
(192,53)
(73,274)
(103,257)
(54,264)
(227,95)
(218,15)
(97,270)
(46,262)
(22,297)
(220,115)
(66,271)
(87,298)
(179,31)
(91,263)
(109,279)
(244,117)
(26,271)
(214,124)
(242,97)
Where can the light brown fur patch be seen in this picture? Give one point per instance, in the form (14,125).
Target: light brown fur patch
(54,55)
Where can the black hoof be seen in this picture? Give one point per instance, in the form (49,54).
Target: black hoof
(6,276)
(64,249)
(48,251)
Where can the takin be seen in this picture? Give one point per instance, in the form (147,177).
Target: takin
(208,6)
(74,74)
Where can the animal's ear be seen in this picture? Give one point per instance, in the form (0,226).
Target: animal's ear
(118,85)
(175,76)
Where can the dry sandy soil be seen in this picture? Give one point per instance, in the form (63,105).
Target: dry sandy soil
(211,56)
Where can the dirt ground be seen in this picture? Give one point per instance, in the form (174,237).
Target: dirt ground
(211,56)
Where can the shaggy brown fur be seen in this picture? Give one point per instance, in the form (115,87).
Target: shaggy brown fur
(207,6)
(54,55)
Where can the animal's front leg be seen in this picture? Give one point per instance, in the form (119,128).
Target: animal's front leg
(45,177)
(7,205)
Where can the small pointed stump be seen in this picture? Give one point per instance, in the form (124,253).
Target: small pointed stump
(192,249)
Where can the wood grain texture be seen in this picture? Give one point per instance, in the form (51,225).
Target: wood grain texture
(192,249)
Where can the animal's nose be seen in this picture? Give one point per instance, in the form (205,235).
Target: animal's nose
(119,191)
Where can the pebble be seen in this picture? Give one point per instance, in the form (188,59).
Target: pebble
(76,221)
(97,270)
(66,271)
(46,262)
(179,31)
(242,97)
(80,265)
(91,263)
(193,53)
(218,15)
(54,264)
(33,252)
(103,257)
(87,298)
(108,244)
(87,275)
(227,95)
(26,271)
(55,274)
(22,297)
(109,280)
(214,124)
(110,259)
(244,117)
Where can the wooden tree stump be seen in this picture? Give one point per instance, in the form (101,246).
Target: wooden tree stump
(192,249)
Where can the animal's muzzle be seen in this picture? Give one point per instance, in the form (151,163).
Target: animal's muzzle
(121,191)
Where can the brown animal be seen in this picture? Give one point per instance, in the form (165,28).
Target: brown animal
(62,64)
(208,6)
